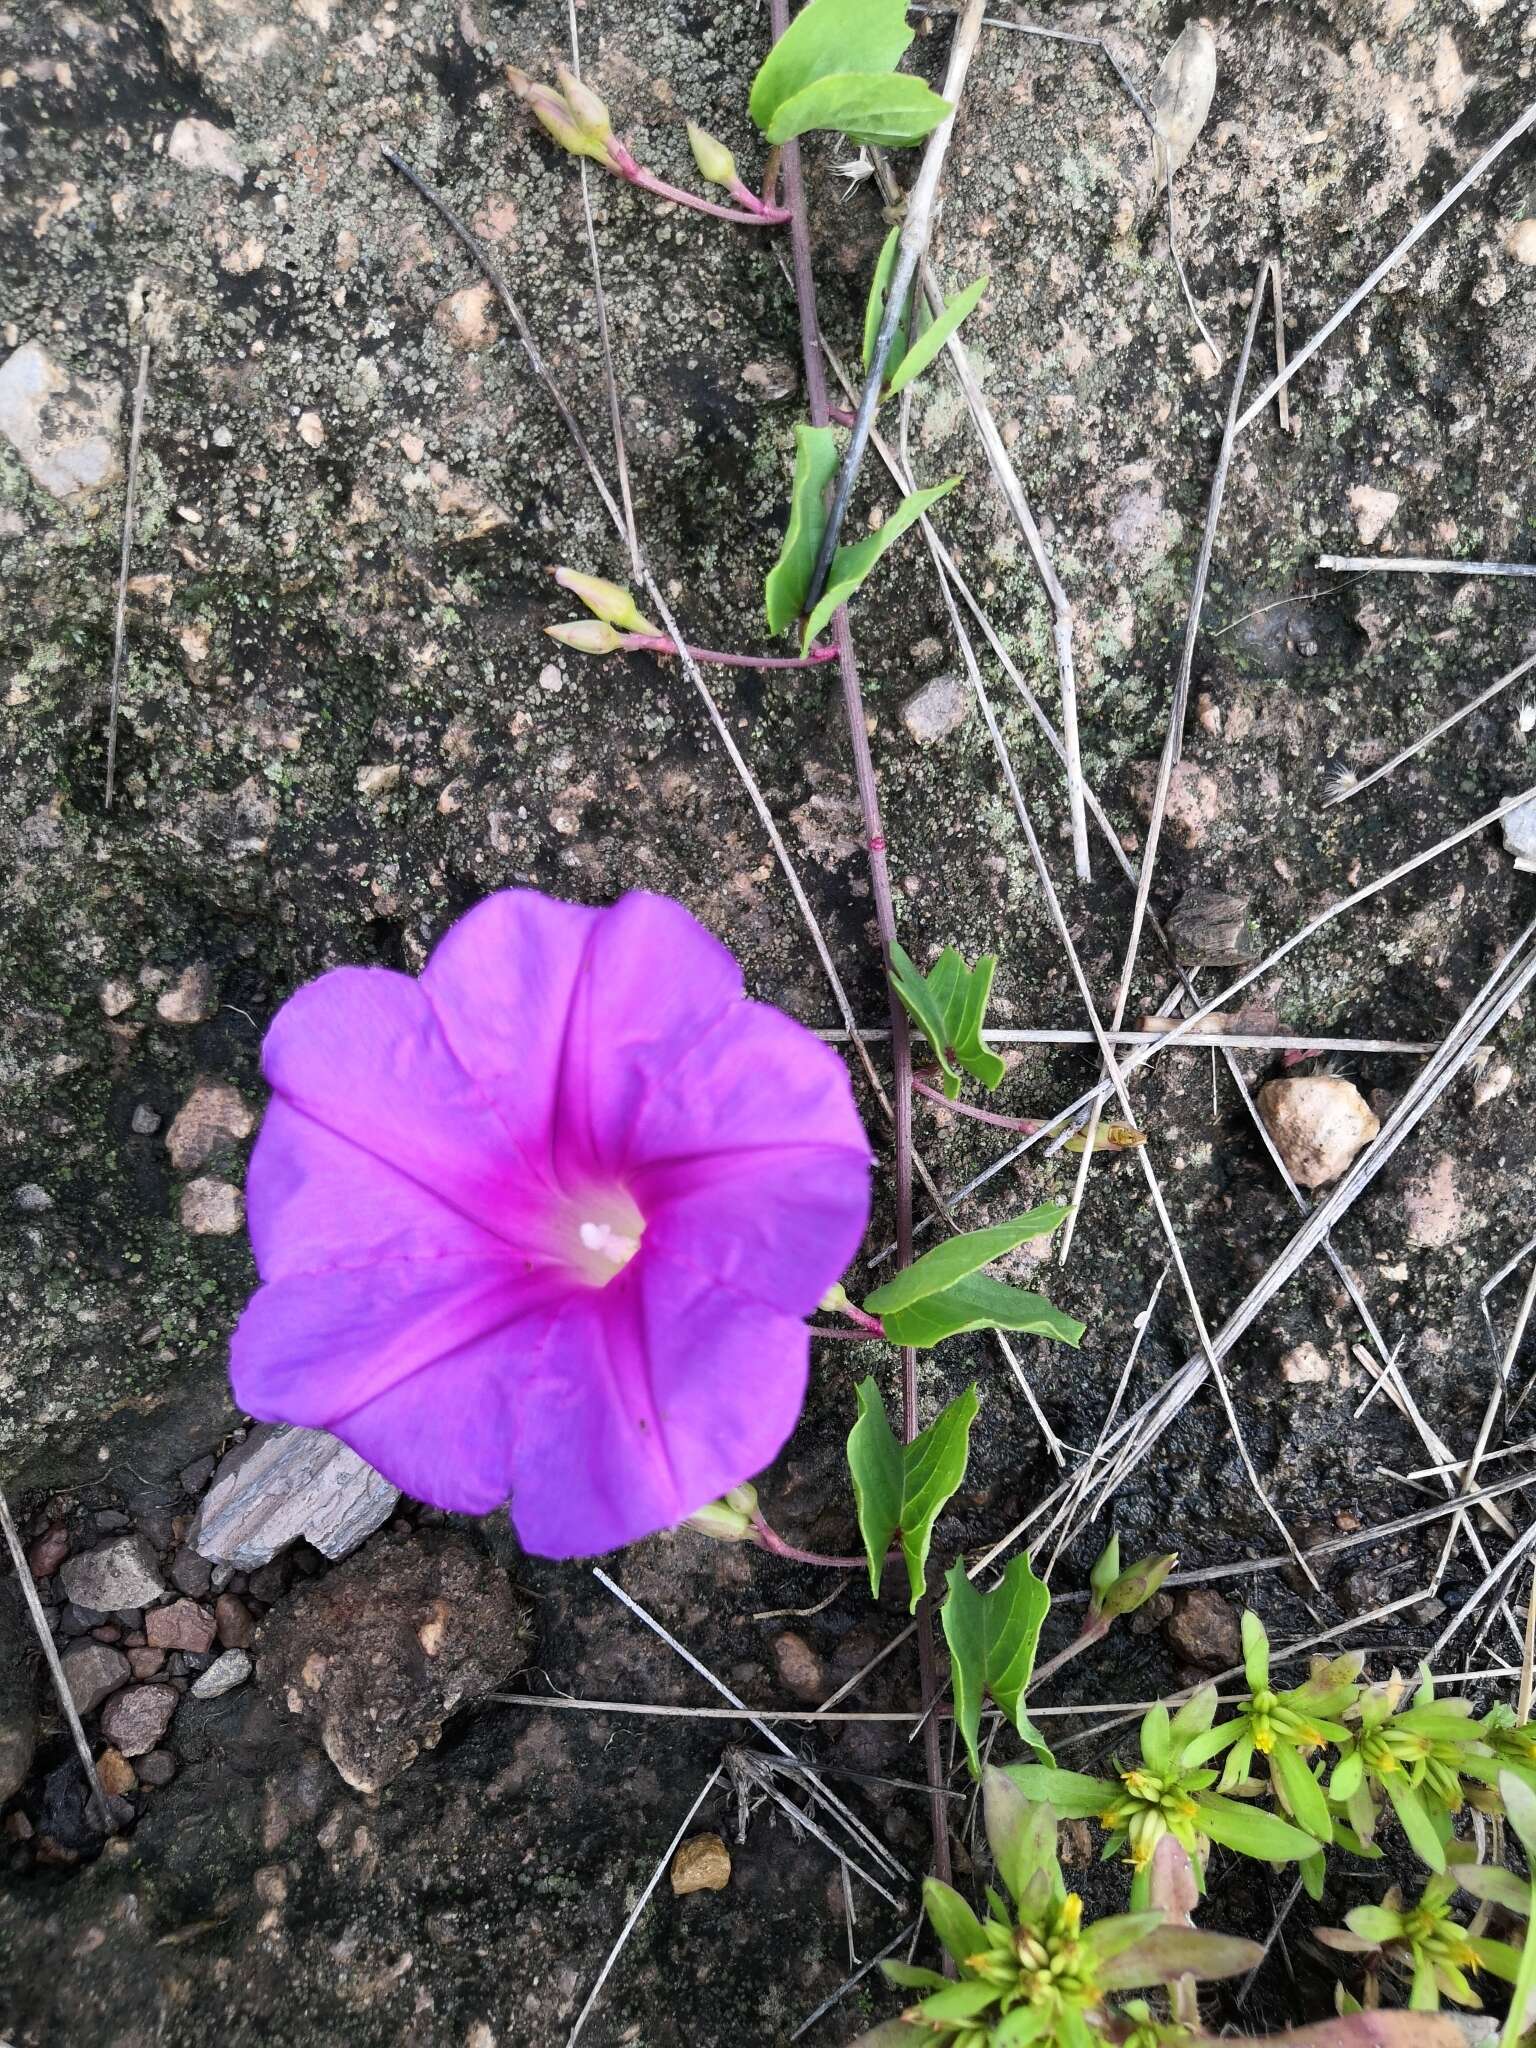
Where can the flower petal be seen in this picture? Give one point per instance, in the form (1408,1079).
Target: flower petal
(417,1364)
(654,1395)
(360,1052)
(315,1201)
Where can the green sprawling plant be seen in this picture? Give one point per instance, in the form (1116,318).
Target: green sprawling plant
(1423,1761)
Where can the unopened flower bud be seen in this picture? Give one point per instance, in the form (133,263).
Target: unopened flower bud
(716,164)
(590,114)
(555,116)
(835,1300)
(587,636)
(728,1520)
(1136,1585)
(1104,1574)
(605,600)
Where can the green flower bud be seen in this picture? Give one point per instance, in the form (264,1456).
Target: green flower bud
(555,117)
(1104,1574)
(605,600)
(728,1520)
(1136,1585)
(589,112)
(716,164)
(835,1300)
(587,636)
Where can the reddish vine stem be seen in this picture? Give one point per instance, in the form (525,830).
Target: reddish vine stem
(885,919)
(769,1539)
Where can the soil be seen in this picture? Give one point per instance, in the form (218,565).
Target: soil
(341,725)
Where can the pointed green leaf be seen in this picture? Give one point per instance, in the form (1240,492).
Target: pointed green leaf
(891,111)
(1156,1744)
(1378,1924)
(1192,1719)
(963,2001)
(1414,1820)
(875,306)
(980,1303)
(911,1978)
(1017,2029)
(1251,1831)
(1314,1875)
(1106,1939)
(958,1256)
(1348,1775)
(1020,1834)
(1072,1794)
(1520,1805)
(952,1920)
(852,564)
(1499,1886)
(992,1639)
(900,1489)
(1303,1796)
(1255,1651)
(1171,1952)
(826,37)
(932,339)
(917,998)
(1499,1957)
(790,577)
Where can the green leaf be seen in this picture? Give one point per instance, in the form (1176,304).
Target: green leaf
(1251,1831)
(1520,1805)
(790,577)
(1020,1834)
(1072,1794)
(1414,1820)
(1019,2028)
(992,1640)
(1192,1719)
(959,2001)
(1156,1748)
(852,564)
(900,1489)
(959,996)
(826,37)
(911,1978)
(1501,1887)
(932,339)
(952,1920)
(1255,1651)
(1378,1924)
(1348,1776)
(1314,1874)
(956,1257)
(891,111)
(874,308)
(1302,1794)
(980,1304)
(1168,1953)
(1499,1957)
(921,1003)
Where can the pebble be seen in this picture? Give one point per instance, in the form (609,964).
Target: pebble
(134,1721)
(190,1000)
(800,1669)
(1194,799)
(65,429)
(195,1477)
(223,1675)
(1204,1629)
(465,319)
(1305,1366)
(1521,241)
(234,1622)
(211,1208)
(191,1573)
(282,1484)
(145,1121)
(32,1200)
(199,146)
(702,1864)
(939,708)
(213,1116)
(1520,831)
(181,1626)
(1374,511)
(146,1663)
(49,1551)
(118,1777)
(1318,1123)
(93,1672)
(122,1573)
(1432,1208)
(158,1768)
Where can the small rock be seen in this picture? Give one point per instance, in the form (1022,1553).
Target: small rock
(1211,928)
(1520,832)
(1204,1629)
(282,1484)
(465,318)
(18,1696)
(311,430)
(195,1477)
(64,428)
(181,1626)
(191,1573)
(199,146)
(1318,1122)
(32,1200)
(1305,1366)
(1374,510)
(373,1658)
(378,779)
(702,1864)
(93,1672)
(146,1663)
(1194,799)
(116,996)
(800,1669)
(1492,1083)
(134,1721)
(1521,241)
(117,1776)
(223,1675)
(1432,1207)
(214,1115)
(211,1208)
(940,707)
(145,1121)
(158,1768)
(49,1551)
(122,1573)
(190,999)
(69,1818)
(233,1620)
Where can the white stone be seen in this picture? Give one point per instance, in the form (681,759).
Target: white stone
(1520,831)
(1521,241)
(199,146)
(939,708)
(1318,1123)
(1305,1366)
(64,428)
(282,1484)
(211,1208)
(1374,510)
(223,1675)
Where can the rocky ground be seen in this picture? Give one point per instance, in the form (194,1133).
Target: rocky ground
(341,724)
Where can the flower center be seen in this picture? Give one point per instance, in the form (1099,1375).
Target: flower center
(607,1229)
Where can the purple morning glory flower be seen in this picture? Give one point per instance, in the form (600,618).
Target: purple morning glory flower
(545,1222)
